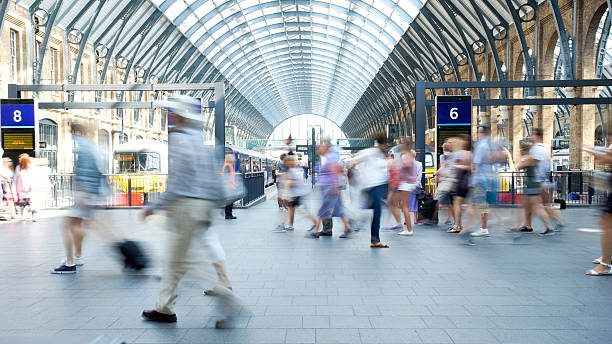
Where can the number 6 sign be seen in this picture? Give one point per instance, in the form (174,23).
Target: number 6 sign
(454,110)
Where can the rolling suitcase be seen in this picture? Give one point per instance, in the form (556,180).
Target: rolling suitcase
(134,257)
(328,225)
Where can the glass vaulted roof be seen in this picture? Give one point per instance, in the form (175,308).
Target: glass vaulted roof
(291,57)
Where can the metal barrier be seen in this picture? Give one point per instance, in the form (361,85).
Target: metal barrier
(136,190)
(254,185)
(573,187)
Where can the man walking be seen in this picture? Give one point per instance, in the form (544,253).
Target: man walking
(195,189)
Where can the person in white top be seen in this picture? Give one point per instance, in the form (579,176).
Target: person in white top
(375,183)
(6,177)
(25,184)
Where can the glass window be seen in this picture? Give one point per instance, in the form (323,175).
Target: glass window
(14,37)
(164,119)
(151,117)
(134,162)
(52,66)
(104,144)
(47,132)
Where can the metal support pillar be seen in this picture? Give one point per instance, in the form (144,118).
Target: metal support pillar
(43,46)
(220,120)
(419,135)
(3,10)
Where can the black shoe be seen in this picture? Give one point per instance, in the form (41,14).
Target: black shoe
(230,217)
(159,317)
(325,234)
(64,269)
(525,229)
(225,323)
(547,232)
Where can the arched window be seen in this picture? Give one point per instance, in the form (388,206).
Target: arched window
(104,144)
(47,133)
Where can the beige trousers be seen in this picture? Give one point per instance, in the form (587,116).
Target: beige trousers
(189,250)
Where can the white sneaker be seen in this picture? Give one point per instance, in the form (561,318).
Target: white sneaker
(405,232)
(480,233)
(78,261)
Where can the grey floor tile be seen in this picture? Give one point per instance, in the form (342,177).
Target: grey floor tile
(207,336)
(397,322)
(404,310)
(275,321)
(536,323)
(471,336)
(291,310)
(335,310)
(523,336)
(375,336)
(315,321)
(264,336)
(472,322)
(300,336)
(433,336)
(438,321)
(366,310)
(342,321)
(448,310)
(337,336)
(166,336)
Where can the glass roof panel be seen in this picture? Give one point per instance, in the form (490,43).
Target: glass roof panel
(246,40)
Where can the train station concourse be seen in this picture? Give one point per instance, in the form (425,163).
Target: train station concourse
(306,171)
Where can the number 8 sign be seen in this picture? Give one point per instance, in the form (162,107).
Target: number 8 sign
(17,113)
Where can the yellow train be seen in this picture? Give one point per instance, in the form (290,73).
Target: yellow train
(141,166)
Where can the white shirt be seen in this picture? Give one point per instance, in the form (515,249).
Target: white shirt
(374,169)
(540,153)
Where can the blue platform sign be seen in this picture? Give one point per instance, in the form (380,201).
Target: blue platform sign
(17,113)
(454,110)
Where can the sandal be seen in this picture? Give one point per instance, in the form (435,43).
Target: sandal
(597,260)
(345,234)
(455,230)
(379,245)
(312,235)
(592,272)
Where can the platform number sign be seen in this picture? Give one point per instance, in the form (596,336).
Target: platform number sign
(17,113)
(454,110)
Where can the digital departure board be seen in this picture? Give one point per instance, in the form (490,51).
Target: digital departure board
(20,141)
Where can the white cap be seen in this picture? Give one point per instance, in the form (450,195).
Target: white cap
(184,106)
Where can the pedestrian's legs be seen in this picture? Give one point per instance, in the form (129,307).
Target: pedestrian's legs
(228,210)
(404,199)
(606,244)
(457,202)
(291,215)
(73,239)
(376,195)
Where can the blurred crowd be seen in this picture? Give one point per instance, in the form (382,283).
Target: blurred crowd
(359,191)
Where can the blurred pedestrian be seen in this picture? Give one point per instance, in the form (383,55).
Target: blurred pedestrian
(604,262)
(407,189)
(462,164)
(375,182)
(331,171)
(195,190)
(90,189)
(8,190)
(537,167)
(393,202)
(25,184)
(230,173)
(445,177)
(297,191)
(284,195)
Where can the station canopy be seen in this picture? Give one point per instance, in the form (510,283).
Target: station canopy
(280,58)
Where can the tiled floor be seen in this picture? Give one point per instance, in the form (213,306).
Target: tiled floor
(424,289)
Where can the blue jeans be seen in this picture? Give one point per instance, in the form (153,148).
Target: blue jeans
(377,195)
